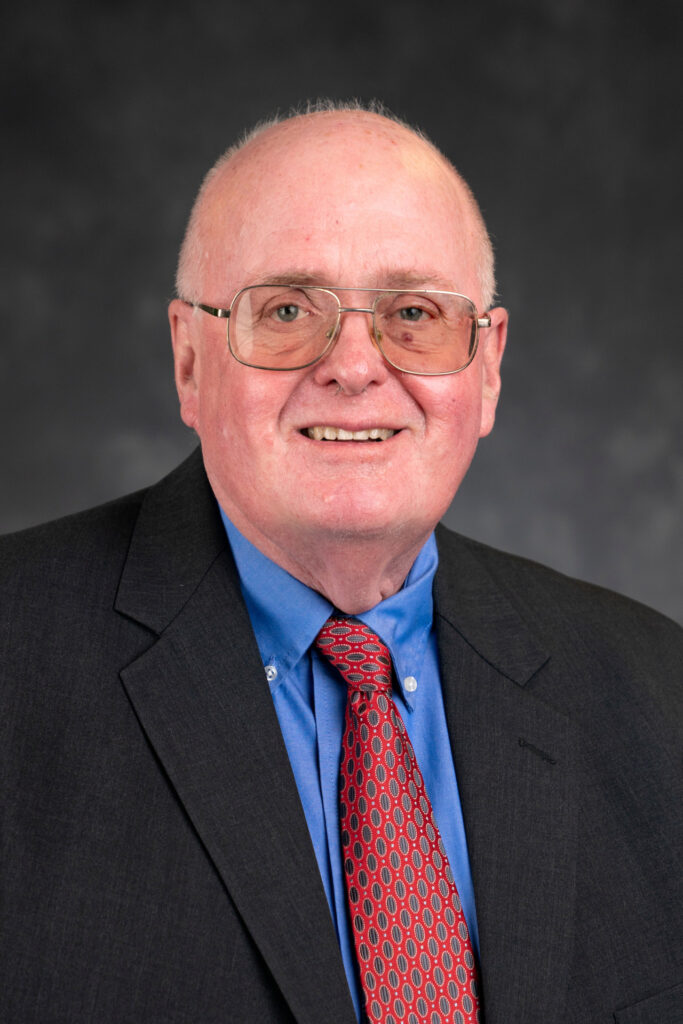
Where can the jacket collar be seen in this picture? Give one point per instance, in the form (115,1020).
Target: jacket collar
(177,537)
(475,605)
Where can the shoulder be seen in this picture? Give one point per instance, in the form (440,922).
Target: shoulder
(96,542)
(540,590)
(65,550)
(591,628)
(153,547)
(58,589)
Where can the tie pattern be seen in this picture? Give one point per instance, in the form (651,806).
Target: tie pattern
(412,942)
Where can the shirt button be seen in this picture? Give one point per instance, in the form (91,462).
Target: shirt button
(410,683)
(271,673)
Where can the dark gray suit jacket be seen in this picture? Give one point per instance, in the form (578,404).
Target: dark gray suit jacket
(156,864)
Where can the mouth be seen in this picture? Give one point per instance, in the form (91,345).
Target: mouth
(339,434)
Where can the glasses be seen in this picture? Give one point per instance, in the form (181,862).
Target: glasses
(290,327)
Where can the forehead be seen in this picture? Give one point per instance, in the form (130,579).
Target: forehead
(340,198)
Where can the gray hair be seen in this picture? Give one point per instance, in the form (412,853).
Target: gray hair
(190,250)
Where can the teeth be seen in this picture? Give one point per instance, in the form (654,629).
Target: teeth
(339,434)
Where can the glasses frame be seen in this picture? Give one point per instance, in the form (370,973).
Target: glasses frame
(480,322)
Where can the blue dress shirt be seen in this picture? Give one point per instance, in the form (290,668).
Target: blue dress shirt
(310,700)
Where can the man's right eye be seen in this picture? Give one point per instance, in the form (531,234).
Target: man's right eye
(287,314)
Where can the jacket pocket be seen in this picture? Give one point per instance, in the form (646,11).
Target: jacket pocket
(664,1008)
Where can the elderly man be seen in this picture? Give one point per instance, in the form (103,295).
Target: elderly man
(275,749)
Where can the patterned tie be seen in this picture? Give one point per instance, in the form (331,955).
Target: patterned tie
(411,938)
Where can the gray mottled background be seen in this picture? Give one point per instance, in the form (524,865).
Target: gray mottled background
(563,115)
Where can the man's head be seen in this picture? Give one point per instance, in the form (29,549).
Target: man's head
(348,200)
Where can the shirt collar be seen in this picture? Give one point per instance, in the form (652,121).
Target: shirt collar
(286,615)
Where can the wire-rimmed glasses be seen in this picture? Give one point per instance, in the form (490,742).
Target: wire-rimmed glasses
(291,326)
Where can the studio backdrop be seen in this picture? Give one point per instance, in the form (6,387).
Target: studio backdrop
(563,116)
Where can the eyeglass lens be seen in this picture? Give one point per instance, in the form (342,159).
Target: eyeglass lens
(285,327)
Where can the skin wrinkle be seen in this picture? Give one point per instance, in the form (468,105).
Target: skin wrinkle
(347,518)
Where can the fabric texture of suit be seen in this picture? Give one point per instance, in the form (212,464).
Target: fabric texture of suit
(156,864)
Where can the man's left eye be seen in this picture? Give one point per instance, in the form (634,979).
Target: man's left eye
(412,314)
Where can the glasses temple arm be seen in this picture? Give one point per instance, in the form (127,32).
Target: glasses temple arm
(213,310)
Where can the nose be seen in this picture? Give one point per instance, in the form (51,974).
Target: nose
(354,361)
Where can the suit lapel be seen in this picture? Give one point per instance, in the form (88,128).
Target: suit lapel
(514,758)
(201,696)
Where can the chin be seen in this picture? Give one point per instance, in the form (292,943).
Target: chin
(368,520)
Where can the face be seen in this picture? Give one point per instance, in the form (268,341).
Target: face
(348,200)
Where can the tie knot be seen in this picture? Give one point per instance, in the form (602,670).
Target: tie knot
(356,652)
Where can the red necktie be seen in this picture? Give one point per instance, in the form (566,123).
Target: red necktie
(411,938)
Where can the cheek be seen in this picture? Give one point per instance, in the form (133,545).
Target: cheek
(220,412)
(452,408)
(240,410)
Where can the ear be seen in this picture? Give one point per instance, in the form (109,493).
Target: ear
(185,342)
(491,347)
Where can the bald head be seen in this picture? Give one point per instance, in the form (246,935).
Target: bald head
(324,144)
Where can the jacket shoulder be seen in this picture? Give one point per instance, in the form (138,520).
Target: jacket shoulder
(96,537)
(84,539)
(572,615)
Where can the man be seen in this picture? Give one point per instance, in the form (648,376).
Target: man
(175,691)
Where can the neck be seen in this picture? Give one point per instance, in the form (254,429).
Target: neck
(353,573)
(354,578)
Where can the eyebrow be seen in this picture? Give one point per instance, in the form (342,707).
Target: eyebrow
(390,278)
(290,277)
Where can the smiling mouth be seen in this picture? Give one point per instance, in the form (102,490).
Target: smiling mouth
(339,434)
